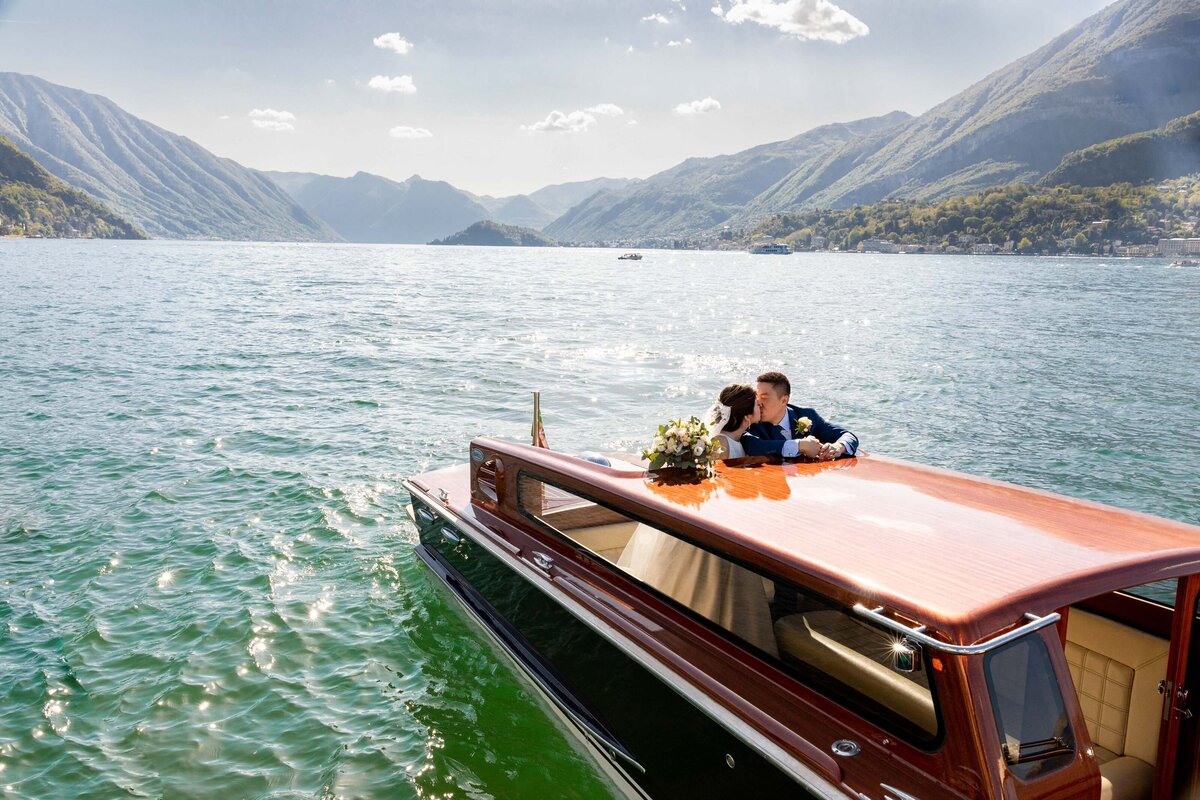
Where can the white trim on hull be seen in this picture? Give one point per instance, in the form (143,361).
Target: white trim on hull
(797,770)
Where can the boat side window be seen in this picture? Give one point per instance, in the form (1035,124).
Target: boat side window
(821,643)
(1027,702)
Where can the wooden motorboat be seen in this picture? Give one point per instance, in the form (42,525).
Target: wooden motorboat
(864,628)
(630,257)
(1185,262)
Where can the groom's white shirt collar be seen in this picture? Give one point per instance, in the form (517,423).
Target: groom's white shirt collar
(783,423)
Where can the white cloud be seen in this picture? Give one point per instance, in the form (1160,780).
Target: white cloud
(606,110)
(698,106)
(268,119)
(575,122)
(223,116)
(659,18)
(394,42)
(401,83)
(405,132)
(558,122)
(674,43)
(632,122)
(803,19)
(679,3)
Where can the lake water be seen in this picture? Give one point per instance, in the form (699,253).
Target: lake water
(206,584)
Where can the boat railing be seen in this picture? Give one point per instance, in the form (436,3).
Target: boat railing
(917,633)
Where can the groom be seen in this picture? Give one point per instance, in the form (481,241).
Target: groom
(777,433)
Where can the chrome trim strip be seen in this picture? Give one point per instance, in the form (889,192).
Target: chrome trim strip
(798,770)
(892,793)
(917,634)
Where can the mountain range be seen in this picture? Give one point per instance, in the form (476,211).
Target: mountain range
(1133,65)
(166,183)
(702,193)
(1094,103)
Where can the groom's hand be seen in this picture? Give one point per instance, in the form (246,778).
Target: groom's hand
(829,452)
(809,447)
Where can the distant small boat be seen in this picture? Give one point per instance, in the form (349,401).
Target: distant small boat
(774,249)
(630,257)
(1185,262)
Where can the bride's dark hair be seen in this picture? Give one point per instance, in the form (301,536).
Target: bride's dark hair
(741,399)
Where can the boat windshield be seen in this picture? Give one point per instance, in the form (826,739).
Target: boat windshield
(1035,733)
(821,643)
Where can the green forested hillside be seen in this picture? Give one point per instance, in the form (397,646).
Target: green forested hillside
(1035,219)
(1167,152)
(35,203)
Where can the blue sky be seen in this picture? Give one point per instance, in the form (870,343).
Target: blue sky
(465,91)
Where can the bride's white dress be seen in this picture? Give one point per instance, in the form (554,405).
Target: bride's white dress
(733,447)
(729,595)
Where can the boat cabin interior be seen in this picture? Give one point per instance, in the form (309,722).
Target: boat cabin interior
(1088,698)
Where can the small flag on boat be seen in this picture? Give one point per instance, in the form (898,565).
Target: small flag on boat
(538,433)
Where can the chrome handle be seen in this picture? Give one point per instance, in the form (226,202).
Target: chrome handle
(450,536)
(542,560)
(425,516)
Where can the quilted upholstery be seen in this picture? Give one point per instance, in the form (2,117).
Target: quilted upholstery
(1116,671)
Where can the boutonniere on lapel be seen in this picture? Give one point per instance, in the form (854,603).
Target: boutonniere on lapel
(803,425)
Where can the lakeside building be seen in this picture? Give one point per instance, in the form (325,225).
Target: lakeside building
(1136,250)
(877,246)
(985,249)
(1179,247)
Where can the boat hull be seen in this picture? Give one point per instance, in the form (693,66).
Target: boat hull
(652,740)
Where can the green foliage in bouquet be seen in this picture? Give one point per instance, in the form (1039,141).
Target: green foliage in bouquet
(682,445)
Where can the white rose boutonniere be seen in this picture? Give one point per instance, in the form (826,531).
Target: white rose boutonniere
(803,426)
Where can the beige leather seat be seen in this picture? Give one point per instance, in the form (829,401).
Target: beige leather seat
(607,541)
(1116,670)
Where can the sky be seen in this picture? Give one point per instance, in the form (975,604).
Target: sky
(502,97)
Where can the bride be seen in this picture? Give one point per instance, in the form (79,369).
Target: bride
(736,410)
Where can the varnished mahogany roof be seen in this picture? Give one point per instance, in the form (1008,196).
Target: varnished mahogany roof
(965,555)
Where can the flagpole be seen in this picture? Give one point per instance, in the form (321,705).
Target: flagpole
(537,417)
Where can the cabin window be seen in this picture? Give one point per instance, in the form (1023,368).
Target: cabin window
(821,643)
(1027,701)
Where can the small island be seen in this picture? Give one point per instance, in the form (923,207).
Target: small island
(493,234)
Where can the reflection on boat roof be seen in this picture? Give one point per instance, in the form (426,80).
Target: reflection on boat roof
(967,555)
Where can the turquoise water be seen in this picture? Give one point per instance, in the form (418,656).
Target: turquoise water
(207,588)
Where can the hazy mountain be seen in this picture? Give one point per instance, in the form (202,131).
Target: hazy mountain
(559,197)
(522,211)
(165,183)
(537,209)
(701,193)
(34,202)
(1131,66)
(1167,152)
(490,233)
(370,208)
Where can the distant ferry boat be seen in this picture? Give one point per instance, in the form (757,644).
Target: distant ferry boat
(773,249)
(630,257)
(1185,262)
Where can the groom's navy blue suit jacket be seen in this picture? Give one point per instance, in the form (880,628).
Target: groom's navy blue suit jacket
(765,439)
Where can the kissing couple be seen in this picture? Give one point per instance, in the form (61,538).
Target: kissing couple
(759,421)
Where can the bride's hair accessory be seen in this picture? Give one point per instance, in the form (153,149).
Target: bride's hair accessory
(718,416)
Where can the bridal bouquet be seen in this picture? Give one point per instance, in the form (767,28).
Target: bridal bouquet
(682,445)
